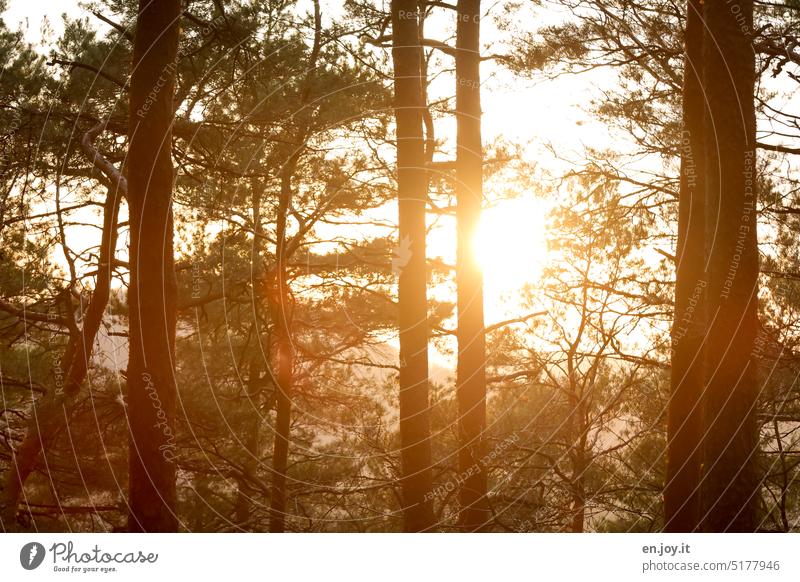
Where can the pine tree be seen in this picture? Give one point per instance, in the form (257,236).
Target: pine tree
(153,289)
(471,373)
(684,423)
(412,293)
(730,487)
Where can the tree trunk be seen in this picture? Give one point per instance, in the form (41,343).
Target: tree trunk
(281,307)
(579,467)
(579,457)
(244,486)
(252,434)
(471,373)
(684,423)
(280,300)
(280,454)
(152,294)
(415,442)
(731,483)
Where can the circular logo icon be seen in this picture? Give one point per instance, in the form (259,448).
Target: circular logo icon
(31,555)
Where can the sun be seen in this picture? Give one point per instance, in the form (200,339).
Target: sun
(511,246)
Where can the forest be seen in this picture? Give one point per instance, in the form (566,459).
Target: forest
(400,266)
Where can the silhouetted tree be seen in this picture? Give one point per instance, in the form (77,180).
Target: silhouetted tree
(730,488)
(279,297)
(51,412)
(152,297)
(684,422)
(471,373)
(412,293)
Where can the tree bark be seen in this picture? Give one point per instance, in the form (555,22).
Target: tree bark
(684,422)
(471,373)
(152,294)
(415,441)
(730,487)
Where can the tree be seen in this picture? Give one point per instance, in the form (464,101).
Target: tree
(639,41)
(52,413)
(471,373)
(412,293)
(279,298)
(80,322)
(730,486)
(287,257)
(152,297)
(682,511)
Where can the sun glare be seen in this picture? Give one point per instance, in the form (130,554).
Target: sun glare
(511,245)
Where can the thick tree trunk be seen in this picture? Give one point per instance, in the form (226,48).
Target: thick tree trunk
(731,482)
(684,423)
(415,442)
(471,373)
(152,293)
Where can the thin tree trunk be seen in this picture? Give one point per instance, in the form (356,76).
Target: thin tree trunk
(684,423)
(244,494)
(471,373)
(578,494)
(580,464)
(415,441)
(49,417)
(244,491)
(280,454)
(281,305)
(730,487)
(785,471)
(152,294)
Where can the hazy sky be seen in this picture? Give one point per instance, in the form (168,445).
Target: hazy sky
(521,111)
(30,15)
(548,111)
